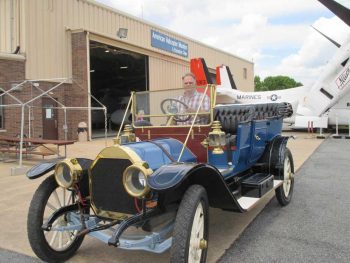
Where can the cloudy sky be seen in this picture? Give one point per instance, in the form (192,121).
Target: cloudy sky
(276,35)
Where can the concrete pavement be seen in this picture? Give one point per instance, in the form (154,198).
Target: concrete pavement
(17,192)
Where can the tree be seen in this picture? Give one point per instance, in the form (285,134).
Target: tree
(275,83)
(257,83)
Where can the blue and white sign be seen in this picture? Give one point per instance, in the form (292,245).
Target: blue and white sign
(172,45)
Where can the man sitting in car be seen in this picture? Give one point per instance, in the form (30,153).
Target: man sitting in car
(192,98)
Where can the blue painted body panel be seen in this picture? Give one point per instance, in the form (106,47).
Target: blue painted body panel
(252,138)
(169,175)
(155,156)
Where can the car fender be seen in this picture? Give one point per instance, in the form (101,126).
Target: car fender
(274,152)
(172,180)
(40,169)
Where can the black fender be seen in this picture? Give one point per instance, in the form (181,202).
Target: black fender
(273,155)
(40,169)
(172,180)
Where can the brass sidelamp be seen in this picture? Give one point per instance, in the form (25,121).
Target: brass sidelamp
(127,136)
(216,139)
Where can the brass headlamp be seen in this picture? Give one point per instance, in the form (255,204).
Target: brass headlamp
(68,172)
(127,136)
(217,138)
(135,179)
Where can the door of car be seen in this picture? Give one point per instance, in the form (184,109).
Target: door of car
(258,140)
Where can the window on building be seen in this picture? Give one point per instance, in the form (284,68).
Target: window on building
(245,73)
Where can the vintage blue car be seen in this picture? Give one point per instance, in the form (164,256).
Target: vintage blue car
(153,188)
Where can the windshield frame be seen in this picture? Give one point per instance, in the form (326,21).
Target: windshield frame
(212,99)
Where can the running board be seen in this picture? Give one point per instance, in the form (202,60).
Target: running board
(247,203)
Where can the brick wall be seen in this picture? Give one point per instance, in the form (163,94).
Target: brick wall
(77,95)
(11,70)
(70,95)
(37,110)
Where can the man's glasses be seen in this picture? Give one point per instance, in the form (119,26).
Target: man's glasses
(188,83)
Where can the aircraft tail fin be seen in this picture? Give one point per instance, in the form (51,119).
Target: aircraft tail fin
(200,70)
(224,77)
(340,11)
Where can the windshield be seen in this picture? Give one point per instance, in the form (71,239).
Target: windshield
(177,107)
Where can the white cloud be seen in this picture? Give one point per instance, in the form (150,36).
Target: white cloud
(276,35)
(309,61)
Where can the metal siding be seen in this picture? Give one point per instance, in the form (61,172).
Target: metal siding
(74,14)
(60,31)
(22,26)
(164,74)
(9,9)
(47,37)
(16,24)
(49,48)
(31,40)
(5,26)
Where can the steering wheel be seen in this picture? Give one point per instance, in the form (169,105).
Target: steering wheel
(171,108)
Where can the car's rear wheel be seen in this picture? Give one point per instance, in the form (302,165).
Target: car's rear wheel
(190,237)
(286,173)
(56,245)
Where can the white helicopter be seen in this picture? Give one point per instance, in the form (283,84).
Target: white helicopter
(325,103)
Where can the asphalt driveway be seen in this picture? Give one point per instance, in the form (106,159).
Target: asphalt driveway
(315,226)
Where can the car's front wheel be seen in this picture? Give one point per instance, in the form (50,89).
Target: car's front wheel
(61,242)
(190,237)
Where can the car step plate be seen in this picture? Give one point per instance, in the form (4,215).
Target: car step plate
(247,203)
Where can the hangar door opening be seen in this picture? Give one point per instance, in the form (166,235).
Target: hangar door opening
(114,73)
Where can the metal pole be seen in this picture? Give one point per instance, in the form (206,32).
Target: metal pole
(13,97)
(29,123)
(59,103)
(336,125)
(126,111)
(53,79)
(46,92)
(336,135)
(320,136)
(194,119)
(105,113)
(14,87)
(21,141)
(65,124)
(68,108)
